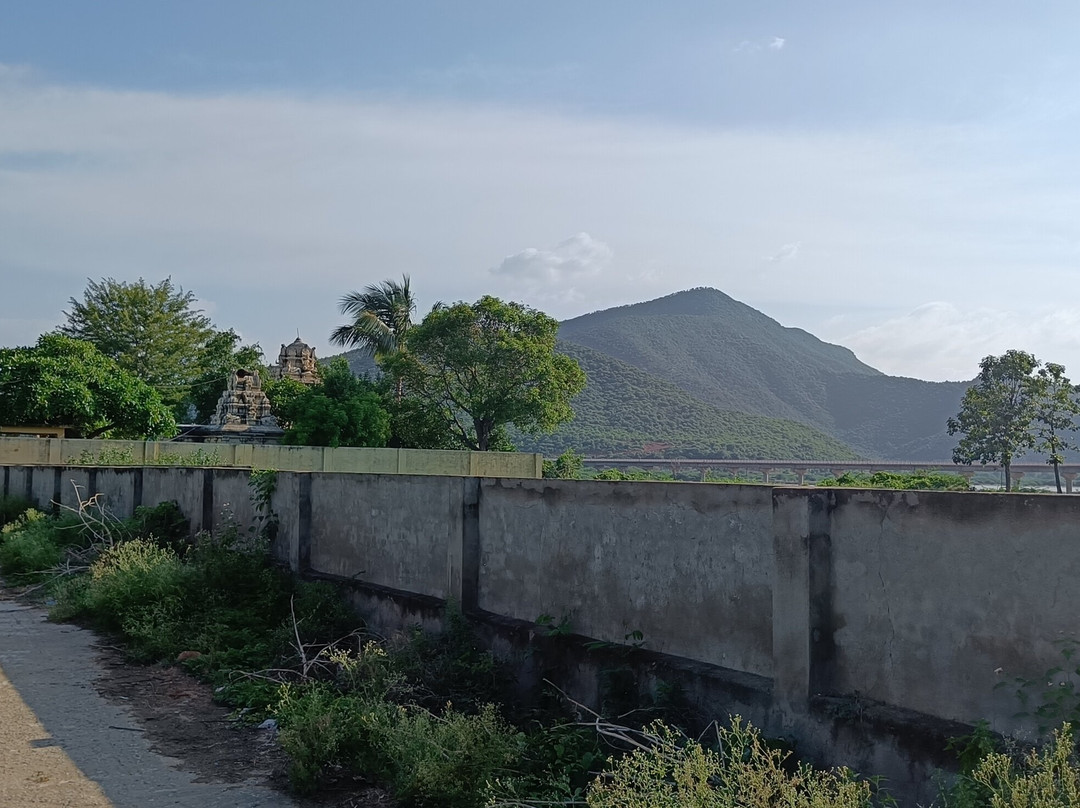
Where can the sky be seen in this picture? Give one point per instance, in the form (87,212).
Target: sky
(899,178)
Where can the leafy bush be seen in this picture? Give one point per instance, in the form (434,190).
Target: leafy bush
(568,466)
(904,481)
(12,507)
(441,761)
(1042,779)
(678,772)
(165,522)
(34,543)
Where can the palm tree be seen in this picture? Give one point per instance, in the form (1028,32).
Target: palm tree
(382,317)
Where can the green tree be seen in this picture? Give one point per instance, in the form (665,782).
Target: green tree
(67,382)
(479,368)
(341,410)
(155,332)
(221,355)
(996,412)
(381,317)
(1056,408)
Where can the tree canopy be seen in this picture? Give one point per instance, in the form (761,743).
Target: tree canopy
(68,382)
(1015,404)
(341,410)
(155,332)
(381,317)
(477,368)
(1054,415)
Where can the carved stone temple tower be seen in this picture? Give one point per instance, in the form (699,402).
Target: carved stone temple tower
(296,361)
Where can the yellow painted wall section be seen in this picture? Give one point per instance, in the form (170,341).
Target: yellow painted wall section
(70,451)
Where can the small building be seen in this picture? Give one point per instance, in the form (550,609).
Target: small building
(36,431)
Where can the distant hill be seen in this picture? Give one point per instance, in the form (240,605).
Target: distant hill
(699,374)
(626,412)
(731,356)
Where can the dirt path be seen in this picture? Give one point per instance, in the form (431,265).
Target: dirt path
(63,744)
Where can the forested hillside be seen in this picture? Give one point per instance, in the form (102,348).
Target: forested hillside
(732,356)
(624,411)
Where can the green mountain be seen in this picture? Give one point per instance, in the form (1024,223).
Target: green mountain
(733,357)
(699,374)
(625,412)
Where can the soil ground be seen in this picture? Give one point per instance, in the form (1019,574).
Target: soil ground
(182,721)
(77,719)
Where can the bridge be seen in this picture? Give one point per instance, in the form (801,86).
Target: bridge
(800,468)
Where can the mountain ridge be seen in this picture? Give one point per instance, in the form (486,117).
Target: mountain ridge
(699,358)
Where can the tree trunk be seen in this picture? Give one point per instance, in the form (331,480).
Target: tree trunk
(1057,476)
(1008,475)
(483,434)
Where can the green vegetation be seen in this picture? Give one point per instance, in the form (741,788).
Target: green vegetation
(342,410)
(66,382)
(12,507)
(153,332)
(478,368)
(1015,404)
(624,412)
(673,771)
(124,456)
(727,355)
(901,480)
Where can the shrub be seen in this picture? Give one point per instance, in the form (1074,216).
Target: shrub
(899,480)
(11,508)
(677,772)
(34,543)
(1043,779)
(132,580)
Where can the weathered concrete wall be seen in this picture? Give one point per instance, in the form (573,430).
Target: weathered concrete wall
(689,566)
(69,451)
(861,623)
(935,598)
(394,531)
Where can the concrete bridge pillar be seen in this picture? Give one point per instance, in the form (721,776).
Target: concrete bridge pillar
(967,474)
(837,472)
(801,474)
(1068,477)
(765,475)
(705,473)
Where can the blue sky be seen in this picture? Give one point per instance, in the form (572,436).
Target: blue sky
(903,179)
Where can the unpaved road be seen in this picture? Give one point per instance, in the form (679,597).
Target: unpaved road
(62,744)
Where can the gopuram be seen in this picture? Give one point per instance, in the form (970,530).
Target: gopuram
(296,361)
(243,413)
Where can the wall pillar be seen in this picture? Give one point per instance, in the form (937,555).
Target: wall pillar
(791,601)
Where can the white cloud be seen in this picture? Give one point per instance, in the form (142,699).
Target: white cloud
(579,255)
(757,45)
(786,253)
(555,276)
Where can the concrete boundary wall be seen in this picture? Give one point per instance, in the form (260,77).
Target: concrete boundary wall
(60,451)
(862,619)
